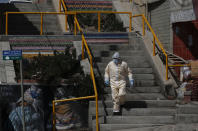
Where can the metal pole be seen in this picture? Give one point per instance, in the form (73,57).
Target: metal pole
(75,30)
(22,95)
(97,121)
(98,22)
(143,26)
(130,22)
(54,116)
(6,23)
(41,32)
(166,67)
(59,5)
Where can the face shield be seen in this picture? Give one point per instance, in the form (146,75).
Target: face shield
(116,58)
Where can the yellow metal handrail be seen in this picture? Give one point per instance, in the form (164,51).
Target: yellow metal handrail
(105,12)
(69,13)
(96,12)
(41,14)
(65,8)
(84,44)
(156,40)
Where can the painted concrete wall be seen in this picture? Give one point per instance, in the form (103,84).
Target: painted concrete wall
(159,16)
(165,12)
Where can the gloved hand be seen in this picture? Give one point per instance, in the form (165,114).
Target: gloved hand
(34,94)
(131,83)
(106,82)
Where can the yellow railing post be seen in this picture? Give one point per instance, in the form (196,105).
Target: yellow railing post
(166,67)
(153,46)
(75,31)
(83,55)
(97,121)
(54,115)
(96,96)
(41,30)
(6,23)
(143,26)
(130,22)
(98,22)
(59,5)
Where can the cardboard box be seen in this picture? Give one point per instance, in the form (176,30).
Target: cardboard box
(194,68)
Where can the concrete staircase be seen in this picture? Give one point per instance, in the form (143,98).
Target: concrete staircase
(29,24)
(146,108)
(44,45)
(89,5)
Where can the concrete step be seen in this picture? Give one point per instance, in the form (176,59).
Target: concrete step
(134,70)
(187,118)
(152,128)
(109,35)
(148,89)
(144,83)
(128,59)
(114,47)
(137,111)
(138,104)
(142,76)
(131,65)
(140,120)
(32,20)
(106,53)
(177,127)
(38,37)
(140,96)
(32,29)
(112,127)
(191,109)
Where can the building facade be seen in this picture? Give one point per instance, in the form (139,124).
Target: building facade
(175,23)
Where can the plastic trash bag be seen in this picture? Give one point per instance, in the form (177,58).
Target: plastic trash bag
(33,120)
(34,114)
(181,90)
(33,96)
(67,116)
(185,73)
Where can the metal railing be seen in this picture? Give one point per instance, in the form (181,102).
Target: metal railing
(84,48)
(106,12)
(61,2)
(66,13)
(156,42)
(41,14)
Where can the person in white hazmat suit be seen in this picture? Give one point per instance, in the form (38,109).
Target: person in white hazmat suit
(116,71)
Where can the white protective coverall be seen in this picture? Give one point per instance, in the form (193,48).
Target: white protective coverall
(117,75)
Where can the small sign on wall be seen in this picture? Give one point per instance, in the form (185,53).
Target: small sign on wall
(12,54)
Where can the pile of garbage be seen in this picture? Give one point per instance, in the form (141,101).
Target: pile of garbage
(67,116)
(188,90)
(34,114)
